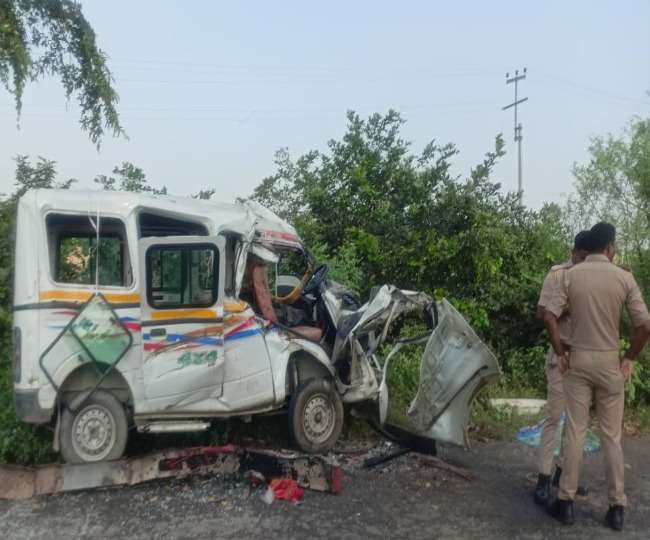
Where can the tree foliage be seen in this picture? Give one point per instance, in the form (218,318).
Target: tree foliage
(128,177)
(19,442)
(52,37)
(614,185)
(204,194)
(378,212)
(403,218)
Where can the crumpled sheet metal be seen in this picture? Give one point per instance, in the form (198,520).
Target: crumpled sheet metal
(455,365)
(388,302)
(311,472)
(380,308)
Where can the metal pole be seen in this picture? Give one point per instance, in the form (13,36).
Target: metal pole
(519,179)
(516,88)
(517,127)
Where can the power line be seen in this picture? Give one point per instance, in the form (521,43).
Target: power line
(317,109)
(245,115)
(593,90)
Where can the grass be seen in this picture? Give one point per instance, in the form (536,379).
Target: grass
(489,423)
(637,420)
(502,423)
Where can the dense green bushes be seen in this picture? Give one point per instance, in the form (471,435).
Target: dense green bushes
(378,213)
(381,214)
(19,442)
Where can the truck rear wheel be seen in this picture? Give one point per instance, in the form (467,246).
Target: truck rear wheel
(97,431)
(315,416)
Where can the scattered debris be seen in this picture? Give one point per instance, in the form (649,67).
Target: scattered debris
(268,496)
(378,460)
(532,436)
(439,464)
(277,474)
(310,472)
(286,489)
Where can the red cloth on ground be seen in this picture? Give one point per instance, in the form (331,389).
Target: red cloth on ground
(287,489)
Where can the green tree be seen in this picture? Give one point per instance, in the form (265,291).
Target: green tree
(614,185)
(42,175)
(205,194)
(52,37)
(404,218)
(128,177)
(18,442)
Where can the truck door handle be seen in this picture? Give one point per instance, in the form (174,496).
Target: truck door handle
(158,332)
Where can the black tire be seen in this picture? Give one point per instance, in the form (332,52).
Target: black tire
(97,431)
(315,416)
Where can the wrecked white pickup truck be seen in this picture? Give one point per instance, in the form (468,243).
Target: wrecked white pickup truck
(143,310)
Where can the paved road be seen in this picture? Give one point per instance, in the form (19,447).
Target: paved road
(405,500)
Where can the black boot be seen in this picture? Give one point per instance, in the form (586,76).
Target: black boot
(562,511)
(614,517)
(542,490)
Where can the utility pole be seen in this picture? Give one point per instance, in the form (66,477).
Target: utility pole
(518,126)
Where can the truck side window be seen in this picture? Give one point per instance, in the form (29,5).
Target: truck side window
(77,258)
(78,255)
(182,276)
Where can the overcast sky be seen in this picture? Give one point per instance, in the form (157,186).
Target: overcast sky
(210,90)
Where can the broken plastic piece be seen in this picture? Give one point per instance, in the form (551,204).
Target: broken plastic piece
(268,496)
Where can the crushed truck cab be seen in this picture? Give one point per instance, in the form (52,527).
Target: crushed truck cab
(133,309)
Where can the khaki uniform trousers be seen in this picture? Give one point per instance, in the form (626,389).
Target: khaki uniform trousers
(594,375)
(553,414)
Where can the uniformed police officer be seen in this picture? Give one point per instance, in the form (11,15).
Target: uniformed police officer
(595,292)
(555,389)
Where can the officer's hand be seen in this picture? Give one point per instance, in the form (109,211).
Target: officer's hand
(627,368)
(563,363)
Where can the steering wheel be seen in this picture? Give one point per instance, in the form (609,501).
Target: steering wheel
(295,294)
(317,278)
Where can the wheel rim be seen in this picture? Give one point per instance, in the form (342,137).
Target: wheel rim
(319,418)
(94,433)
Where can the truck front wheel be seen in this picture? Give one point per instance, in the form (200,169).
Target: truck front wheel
(97,431)
(315,416)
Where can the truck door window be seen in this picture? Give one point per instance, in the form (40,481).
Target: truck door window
(182,276)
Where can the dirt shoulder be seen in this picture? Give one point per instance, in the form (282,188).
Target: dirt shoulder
(406,499)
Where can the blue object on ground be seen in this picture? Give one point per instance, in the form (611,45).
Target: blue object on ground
(532,436)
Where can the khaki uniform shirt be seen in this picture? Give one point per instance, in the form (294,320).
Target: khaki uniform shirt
(553,281)
(596,290)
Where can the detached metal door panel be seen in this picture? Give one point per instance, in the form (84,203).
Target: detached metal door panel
(182,322)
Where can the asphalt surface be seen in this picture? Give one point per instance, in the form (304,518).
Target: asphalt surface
(406,499)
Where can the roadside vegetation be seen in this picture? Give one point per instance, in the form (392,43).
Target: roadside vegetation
(378,212)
